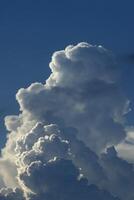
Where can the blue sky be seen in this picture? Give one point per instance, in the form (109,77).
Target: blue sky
(30,31)
(70,139)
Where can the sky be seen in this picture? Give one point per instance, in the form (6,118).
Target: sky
(82,94)
(30,31)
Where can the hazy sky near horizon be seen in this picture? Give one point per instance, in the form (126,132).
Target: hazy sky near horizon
(30,31)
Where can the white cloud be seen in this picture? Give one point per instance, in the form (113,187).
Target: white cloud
(64,126)
(126,147)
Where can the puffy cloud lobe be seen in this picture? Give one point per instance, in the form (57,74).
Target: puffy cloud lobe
(82,92)
(54,183)
(87,62)
(54,146)
(45,169)
(120,174)
(49,146)
(126,148)
(44,147)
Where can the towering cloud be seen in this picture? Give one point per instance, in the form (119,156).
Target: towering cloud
(61,145)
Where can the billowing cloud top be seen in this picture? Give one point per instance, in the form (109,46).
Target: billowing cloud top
(61,145)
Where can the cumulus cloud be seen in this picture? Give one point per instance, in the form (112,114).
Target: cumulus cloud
(120,174)
(82,92)
(61,145)
(126,147)
(56,184)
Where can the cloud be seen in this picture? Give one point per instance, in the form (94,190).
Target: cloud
(56,184)
(48,167)
(55,146)
(83,92)
(120,174)
(126,147)
(11,194)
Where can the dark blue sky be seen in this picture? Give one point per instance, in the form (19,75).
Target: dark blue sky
(30,31)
